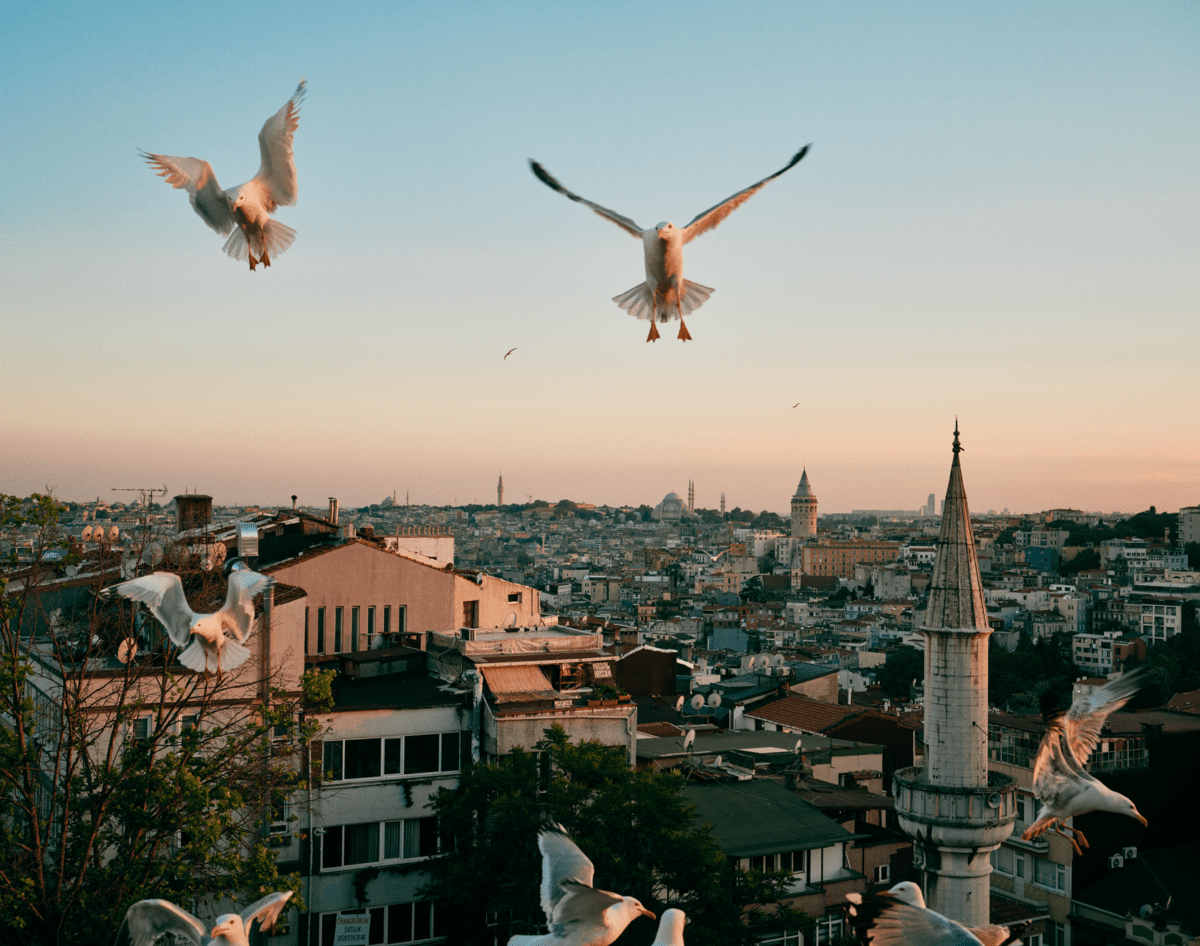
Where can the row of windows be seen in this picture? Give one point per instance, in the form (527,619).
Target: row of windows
(326,640)
(1046,873)
(790,862)
(377,842)
(827,928)
(395,923)
(350,759)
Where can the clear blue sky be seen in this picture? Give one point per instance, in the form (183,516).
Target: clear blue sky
(999,218)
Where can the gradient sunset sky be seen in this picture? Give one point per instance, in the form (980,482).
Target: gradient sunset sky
(999,219)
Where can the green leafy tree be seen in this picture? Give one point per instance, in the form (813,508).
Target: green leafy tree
(121,781)
(902,667)
(633,825)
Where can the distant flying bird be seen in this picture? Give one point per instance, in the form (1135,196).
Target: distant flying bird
(665,288)
(246,209)
(147,921)
(509,352)
(910,893)
(1060,782)
(577,914)
(794,406)
(206,648)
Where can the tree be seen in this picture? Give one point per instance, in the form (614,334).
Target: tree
(633,825)
(122,781)
(903,666)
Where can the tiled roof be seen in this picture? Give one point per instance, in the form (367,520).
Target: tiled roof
(801,712)
(659,729)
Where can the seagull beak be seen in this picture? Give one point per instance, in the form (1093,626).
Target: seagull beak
(1145,823)
(645,912)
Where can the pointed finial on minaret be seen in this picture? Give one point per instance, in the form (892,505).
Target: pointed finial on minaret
(958,448)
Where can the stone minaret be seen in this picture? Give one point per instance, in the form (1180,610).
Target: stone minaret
(953,809)
(804,509)
(722,505)
(500,491)
(691,496)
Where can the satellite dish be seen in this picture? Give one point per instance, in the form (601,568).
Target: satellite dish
(127,651)
(697,701)
(511,620)
(717,761)
(678,704)
(152,554)
(714,698)
(796,748)
(113,534)
(689,739)
(87,534)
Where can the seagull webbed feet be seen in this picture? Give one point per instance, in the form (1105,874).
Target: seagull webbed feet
(653,336)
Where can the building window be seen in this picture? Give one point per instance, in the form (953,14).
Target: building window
(514,598)
(306,646)
(1058,934)
(828,927)
(320,630)
(370,627)
(789,938)
(387,620)
(354,629)
(353,845)
(416,922)
(1049,874)
(470,613)
(883,873)
(401,618)
(352,759)
(142,727)
(339,620)
(1003,861)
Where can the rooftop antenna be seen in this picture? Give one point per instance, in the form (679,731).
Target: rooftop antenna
(146,492)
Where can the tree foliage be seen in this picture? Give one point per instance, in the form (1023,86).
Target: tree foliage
(903,666)
(633,825)
(123,781)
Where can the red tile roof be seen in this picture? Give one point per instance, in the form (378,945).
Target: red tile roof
(801,712)
(659,729)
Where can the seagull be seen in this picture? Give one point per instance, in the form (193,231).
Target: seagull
(577,914)
(1060,782)
(665,288)
(910,893)
(206,647)
(247,209)
(147,921)
(509,352)
(670,929)
(906,924)
(794,406)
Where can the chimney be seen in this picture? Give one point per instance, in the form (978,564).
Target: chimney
(333,511)
(192,511)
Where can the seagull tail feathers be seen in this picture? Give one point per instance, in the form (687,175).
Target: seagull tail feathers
(639,301)
(233,655)
(193,656)
(277,236)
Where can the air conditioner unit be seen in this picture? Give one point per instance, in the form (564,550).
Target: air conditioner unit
(1116,861)
(1129,853)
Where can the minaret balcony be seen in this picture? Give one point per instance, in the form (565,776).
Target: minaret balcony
(974,816)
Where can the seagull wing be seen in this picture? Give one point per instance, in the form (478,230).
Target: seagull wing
(623,222)
(162,593)
(1057,776)
(148,920)
(561,861)
(239,601)
(902,924)
(197,178)
(277,173)
(1086,717)
(583,904)
(714,215)
(266,910)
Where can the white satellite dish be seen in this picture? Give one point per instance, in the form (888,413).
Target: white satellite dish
(799,743)
(113,534)
(87,534)
(717,761)
(511,620)
(678,704)
(714,698)
(697,701)
(152,554)
(689,739)
(127,651)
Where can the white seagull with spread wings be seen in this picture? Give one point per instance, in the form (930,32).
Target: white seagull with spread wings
(909,893)
(666,294)
(206,648)
(1060,782)
(247,209)
(577,914)
(148,921)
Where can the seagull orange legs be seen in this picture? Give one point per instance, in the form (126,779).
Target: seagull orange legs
(653,336)
(1040,827)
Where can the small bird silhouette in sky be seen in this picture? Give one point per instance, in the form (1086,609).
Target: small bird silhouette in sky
(509,352)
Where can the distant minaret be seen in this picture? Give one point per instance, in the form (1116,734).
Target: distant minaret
(722,504)
(804,509)
(691,496)
(931,507)
(955,811)
(500,491)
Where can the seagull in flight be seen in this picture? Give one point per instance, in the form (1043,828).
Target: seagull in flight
(147,921)
(206,648)
(1060,781)
(577,913)
(509,352)
(666,294)
(245,210)
(871,907)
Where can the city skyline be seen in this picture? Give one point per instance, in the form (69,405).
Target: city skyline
(996,221)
